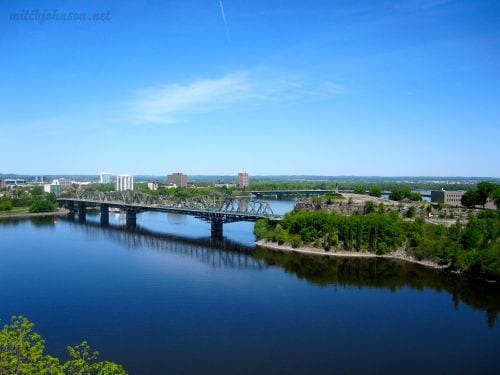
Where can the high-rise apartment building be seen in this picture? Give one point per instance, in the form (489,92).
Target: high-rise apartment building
(178,179)
(124,182)
(243,180)
(104,178)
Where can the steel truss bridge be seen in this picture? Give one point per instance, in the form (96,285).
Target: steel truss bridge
(216,209)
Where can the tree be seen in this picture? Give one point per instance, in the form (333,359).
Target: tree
(42,205)
(369,207)
(5,204)
(38,190)
(399,194)
(469,199)
(376,191)
(484,190)
(415,197)
(359,190)
(22,353)
(496,196)
(411,212)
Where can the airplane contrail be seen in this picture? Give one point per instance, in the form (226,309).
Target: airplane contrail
(225,22)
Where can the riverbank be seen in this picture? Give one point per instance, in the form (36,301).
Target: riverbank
(399,254)
(27,215)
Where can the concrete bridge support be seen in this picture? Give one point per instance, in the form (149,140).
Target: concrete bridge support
(104,214)
(131,218)
(216,229)
(82,211)
(70,205)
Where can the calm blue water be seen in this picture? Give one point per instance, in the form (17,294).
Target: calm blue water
(165,299)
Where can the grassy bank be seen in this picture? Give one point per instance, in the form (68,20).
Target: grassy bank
(15,211)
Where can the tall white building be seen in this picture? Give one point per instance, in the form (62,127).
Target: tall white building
(124,182)
(104,178)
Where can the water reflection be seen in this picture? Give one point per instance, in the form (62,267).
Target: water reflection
(218,253)
(386,273)
(37,221)
(337,271)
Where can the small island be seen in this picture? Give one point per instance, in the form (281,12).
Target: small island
(357,225)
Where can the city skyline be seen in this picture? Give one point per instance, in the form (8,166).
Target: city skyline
(376,88)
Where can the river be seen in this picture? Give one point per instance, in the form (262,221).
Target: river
(165,299)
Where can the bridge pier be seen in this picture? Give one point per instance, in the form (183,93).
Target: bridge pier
(82,211)
(216,229)
(104,214)
(70,205)
(131,218)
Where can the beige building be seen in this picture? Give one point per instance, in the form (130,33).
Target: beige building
(153,185)
(177,179)
(451,198)
(243,180)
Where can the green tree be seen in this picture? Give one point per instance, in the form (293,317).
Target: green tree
(5,204)
(496,196)
(399,194)
(376,191)
(22,353)
(411,212)
(484,190)
(21,350)
(369,207)
(42,205)
(469,199)
(38,190)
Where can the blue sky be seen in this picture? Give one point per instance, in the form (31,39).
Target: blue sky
(289,87)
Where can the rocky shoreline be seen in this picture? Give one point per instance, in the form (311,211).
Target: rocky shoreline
(399,254)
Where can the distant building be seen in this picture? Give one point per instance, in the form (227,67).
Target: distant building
(124,182)
(13,182)
(153,185)
(243,180)
(64,183)
(54,188)
(222,184)
(178,179)
(452,198)
(105,178)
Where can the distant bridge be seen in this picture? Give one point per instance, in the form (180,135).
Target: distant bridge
(279,193)
(216,209)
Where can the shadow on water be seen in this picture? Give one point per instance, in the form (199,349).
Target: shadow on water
(216,252)
(387,274)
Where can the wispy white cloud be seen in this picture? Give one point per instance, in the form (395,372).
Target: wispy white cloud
(168,103)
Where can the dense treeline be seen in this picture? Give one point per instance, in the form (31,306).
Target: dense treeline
(181,192)
(473,248)
(22,353)
(35,199)
(480,195)
(361,187)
